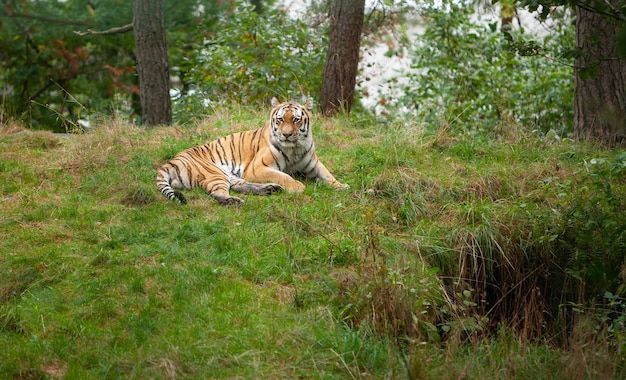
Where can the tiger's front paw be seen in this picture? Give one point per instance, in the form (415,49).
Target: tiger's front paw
(231,201)
(271,188)
(295,187)
(341,186)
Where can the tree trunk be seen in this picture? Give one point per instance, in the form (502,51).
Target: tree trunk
(258,6)
(508,12)
(152,66)
(342,59)
(600,80)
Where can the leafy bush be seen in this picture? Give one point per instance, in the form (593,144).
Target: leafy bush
(251,58)
(51,77)
(478,78)
(592,229)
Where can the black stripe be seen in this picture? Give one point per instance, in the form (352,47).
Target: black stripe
(277,162)
(308,151)
(306,174)
(177,170)
(211,154)
(258,137)
(239,148)
(220,155)
(255,139)
(274,144)
(190,175)
(268,166)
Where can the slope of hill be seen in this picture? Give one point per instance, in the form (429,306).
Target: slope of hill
(449,257)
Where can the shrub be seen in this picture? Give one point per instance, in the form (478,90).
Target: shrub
(590,232)
(482,79)
(251,58)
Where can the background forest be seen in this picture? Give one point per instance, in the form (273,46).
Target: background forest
(56,79)
(482,237)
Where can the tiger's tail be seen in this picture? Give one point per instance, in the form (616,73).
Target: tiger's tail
(164,180)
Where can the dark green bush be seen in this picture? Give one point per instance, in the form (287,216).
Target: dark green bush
(472,77)
(249,58)
(591,230)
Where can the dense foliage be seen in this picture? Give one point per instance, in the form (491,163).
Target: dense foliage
(249,59)
(473,77)
(51,75)
(466,73)
(55,79)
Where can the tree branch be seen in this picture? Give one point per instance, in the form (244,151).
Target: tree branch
(613,14)
(42,18)
(118,30)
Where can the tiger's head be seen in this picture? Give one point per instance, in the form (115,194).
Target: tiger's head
(290,123)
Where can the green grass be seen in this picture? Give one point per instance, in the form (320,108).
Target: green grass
(424,268)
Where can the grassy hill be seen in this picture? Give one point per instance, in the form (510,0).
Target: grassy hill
(449,257)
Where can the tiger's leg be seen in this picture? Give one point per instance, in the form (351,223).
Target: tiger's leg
(242,186)
(218,189)
(320,173)
(267,174)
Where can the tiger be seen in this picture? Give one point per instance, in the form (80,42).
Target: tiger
(261,161)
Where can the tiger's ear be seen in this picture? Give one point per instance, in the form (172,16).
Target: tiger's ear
(308,104)
(275,102)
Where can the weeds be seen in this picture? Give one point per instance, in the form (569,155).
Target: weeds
(394,294)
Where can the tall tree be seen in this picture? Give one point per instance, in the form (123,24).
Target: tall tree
(342,59)
(600,82)
(600,71)
(152,64)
